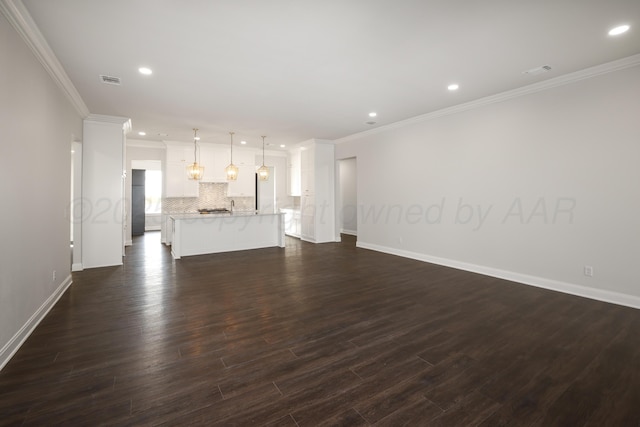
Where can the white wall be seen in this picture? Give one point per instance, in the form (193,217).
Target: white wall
(103,209)
(348,196)
(37,127)
(531,188)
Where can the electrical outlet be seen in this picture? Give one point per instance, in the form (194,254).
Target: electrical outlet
(588,271)
(53,278)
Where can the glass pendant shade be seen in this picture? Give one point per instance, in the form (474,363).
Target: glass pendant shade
(263,171)
(194,170)
(231,170)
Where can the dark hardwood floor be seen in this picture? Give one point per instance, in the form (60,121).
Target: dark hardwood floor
(317,335)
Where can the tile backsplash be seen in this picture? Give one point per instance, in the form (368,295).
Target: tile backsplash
(212,195)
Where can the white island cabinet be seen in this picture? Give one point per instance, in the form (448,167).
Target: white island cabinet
(196,234)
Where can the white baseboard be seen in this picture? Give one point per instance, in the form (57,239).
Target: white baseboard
(128,242)
(10,348)
(77,266)
(153,228)
(349,232)
(554,285)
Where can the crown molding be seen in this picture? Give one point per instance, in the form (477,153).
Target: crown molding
(587,73)
(19,17)
(142,143)
(125,122)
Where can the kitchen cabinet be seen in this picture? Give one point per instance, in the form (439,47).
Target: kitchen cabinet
(291,222)
(245,184)
(317,202)
(195,234)
(214,158)
(307,170)
(242,156)
(294,173)
(307,218)
(177,184)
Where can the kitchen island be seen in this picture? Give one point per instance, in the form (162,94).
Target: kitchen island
(197,234)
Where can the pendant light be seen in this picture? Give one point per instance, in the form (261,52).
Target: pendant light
(263,171)
(232,170)
(195,171)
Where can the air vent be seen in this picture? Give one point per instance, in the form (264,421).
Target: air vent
(538,70)
(110,80)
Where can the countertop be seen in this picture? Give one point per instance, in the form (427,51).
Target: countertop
(197,215)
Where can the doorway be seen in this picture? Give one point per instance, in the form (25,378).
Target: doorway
(137,202)
(347,202)
(146,196)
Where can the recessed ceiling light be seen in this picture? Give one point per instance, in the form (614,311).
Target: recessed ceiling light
(146,71)
(373,114)
(282,145)
(243,142)
(453,86)
(141,133)
(619,30)
(197,138)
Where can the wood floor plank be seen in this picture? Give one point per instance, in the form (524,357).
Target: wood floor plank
(471,411)
(357,392)
(412,413)
(326,334)
(613,372)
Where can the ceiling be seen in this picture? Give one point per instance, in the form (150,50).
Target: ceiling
(299,69)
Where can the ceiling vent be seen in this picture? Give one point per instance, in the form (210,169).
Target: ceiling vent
(110,80)
(538,70)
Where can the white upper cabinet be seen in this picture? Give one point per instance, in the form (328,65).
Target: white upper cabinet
(177,184)
(243,156)
(245,184)
(307,170)
(214,158)
(293,173)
